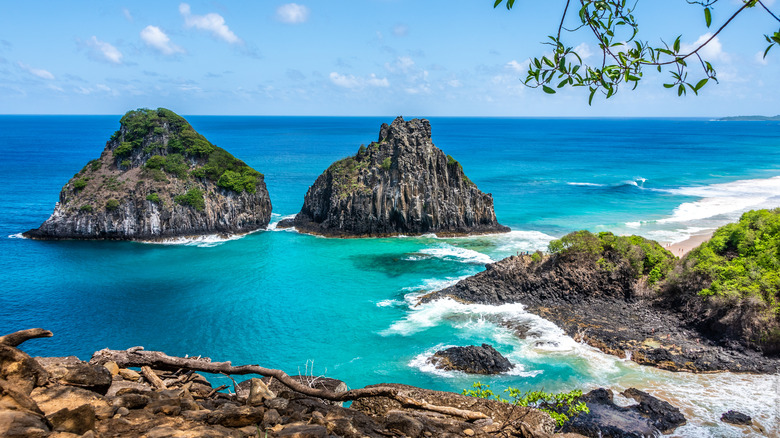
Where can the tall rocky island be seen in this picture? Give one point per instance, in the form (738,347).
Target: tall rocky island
(400,184)
(158,178)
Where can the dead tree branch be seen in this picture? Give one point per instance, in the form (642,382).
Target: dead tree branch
(17,338)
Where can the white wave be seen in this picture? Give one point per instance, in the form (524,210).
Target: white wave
(585,184)
(206,241)
(518,240)
(725,199)
(636,224)
(391,303)
(676,235)
(272,225)
(16,236)
(445,251)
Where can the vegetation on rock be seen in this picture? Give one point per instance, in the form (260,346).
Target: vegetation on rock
(193,198)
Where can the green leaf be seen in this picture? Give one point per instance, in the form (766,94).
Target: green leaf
(563,82)
(498,2)
(708,16)
(548,90)
(767,50)
(676,45)
(700,84)
(668,85)
(681,89)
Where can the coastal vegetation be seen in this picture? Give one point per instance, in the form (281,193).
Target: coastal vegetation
(562,407)
(193,198)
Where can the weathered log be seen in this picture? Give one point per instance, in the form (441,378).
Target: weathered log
(138,357)
(17,338)
(152,378)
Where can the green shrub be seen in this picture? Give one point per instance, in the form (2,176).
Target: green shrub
(238,181)
(112,204)
(536,257)
(124,149)
(87,208)
(154,197)
(386,163)
(562,407)
(126,163)
(198,172)
(193,198)
(79,184)
(155,162)
(95,165)
(451,161)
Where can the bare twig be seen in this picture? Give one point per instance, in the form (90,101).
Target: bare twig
(17,338)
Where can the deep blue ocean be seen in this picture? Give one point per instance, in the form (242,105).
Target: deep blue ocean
(345,308)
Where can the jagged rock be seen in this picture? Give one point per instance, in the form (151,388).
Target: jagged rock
(78,420)
(258,392)
(401,184)
(72,371)
(607,419)
(735,417)
(22,424)
(131,375)
(317,382)
(472,359)
(230,415)
(20,370)
(158,178)
(55,398)
(664,416)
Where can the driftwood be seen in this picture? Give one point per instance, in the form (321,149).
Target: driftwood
(17,338)
(152,378)
(138,357)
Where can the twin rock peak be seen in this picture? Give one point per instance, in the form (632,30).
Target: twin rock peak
(157,178)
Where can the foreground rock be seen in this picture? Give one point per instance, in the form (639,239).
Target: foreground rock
(586,300)
(42,397)
(400,184)
(158,178)
(651,417)
(473,359)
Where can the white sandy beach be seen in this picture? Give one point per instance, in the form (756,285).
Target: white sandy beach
(681,248)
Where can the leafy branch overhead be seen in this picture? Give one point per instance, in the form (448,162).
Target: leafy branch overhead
(624,54)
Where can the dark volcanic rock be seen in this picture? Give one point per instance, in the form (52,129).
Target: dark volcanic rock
(649,418)
(401,184)
(472,359)
(72,371)
(735,417)
(585,301)
(157,178)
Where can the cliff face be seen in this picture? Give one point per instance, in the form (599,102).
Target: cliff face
(401,184)
(158,178)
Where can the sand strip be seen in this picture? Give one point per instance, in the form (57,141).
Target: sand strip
(681,248)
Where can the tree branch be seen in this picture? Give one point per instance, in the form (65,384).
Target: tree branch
(138,357)
(17,338)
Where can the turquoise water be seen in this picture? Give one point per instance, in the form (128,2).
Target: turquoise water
(346,307)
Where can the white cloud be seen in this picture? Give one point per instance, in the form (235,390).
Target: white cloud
(713,51)
(213,23)
(41,73)
(127,14)
(401,30)
(292,13)
(402,64)
(104,51)
(518,67)
(584,51)
(155,38)
(454,83)
(357,83)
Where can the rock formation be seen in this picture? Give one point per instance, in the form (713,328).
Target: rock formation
(158,178)
(472,359)
(400,184)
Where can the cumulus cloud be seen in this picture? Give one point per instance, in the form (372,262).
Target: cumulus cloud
(713,51)
(403,64)
(103,51)
(211,22)
(518,67)
(155,38)
(38,72)
(292,13)
(357,83)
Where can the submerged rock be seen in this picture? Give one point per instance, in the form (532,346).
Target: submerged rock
(735,417)
(472,359)
(157,178)
(400,184)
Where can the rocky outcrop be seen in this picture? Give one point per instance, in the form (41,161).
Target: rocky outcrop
(157,178)
(651,417)
(41,397)
(400,184)
(585,295)
(736,417)
(472,359)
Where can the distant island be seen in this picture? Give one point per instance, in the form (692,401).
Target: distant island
(750,119)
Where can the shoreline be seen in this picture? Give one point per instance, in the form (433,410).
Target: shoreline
(680,249)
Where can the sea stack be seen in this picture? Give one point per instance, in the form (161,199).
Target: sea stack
(400,184)
(157,178)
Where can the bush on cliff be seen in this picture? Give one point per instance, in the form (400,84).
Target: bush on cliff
(730,284)
(193,198)
(646,257)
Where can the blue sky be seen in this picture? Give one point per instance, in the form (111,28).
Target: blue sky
(347,57)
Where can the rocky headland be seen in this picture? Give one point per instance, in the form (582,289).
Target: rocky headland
(400,184)
(626,296)
(157,178)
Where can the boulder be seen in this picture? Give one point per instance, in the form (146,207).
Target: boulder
(472,359)
(664,416)
(72,371)
(735,417)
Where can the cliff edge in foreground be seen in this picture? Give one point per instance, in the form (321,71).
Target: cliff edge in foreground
(400,184)
(158,178)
